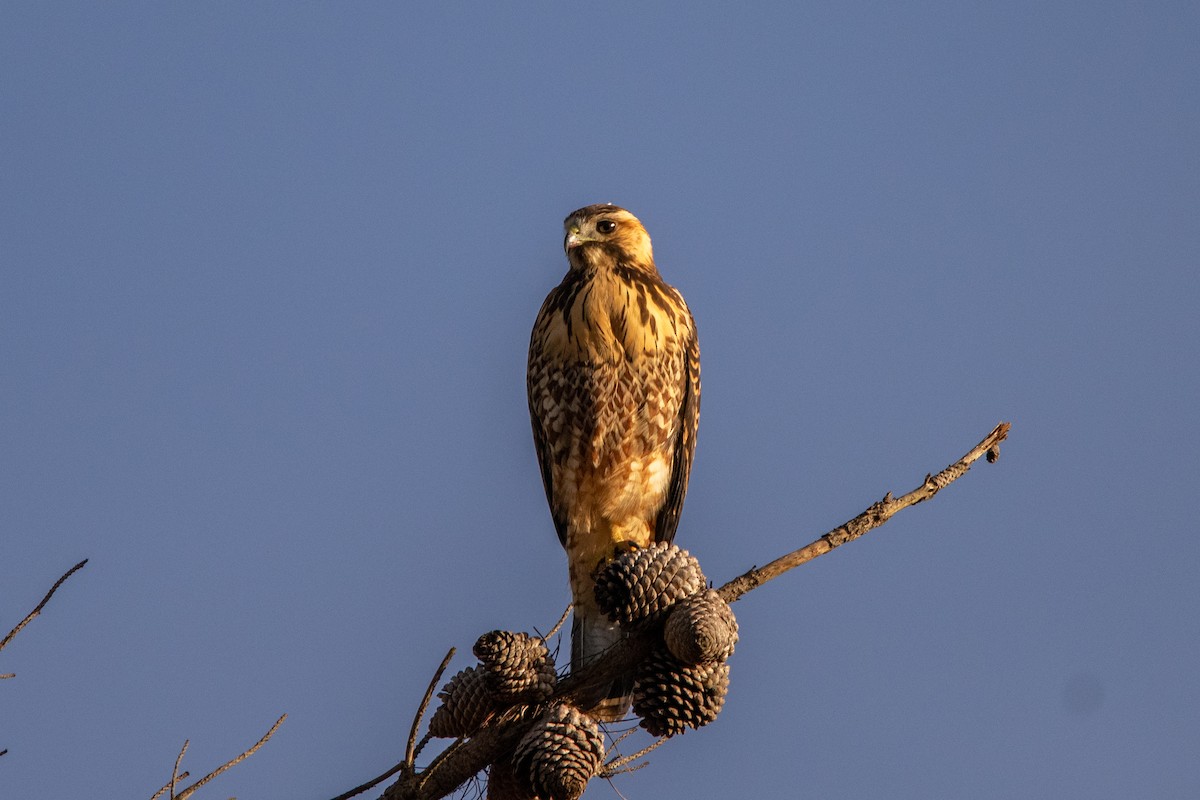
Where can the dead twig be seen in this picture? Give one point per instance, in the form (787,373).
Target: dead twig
(870,519)
(175,770)
(38,609)
(616,766)
(357,790)
(33,614)
(410,752)
(167,787)
(413,747)
(625,734)
(176,776)
(558,625)
(462,760)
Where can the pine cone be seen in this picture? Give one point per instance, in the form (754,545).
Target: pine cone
(638,586)
(560,754)
(467,701)
(671,697)
(701,628)
(503,783)
(519,667)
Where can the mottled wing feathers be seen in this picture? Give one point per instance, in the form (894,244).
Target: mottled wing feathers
(685,444)
(538,380)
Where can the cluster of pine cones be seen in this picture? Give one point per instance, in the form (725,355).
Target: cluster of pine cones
(680,685)
(513,669)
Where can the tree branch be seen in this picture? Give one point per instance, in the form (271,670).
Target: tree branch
(176,776)
(38,609)
(30,617)
(496,740)
(870,519)
(410,751)
(619,764)
(461,761)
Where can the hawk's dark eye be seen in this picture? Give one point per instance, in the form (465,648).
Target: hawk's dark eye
(606,226)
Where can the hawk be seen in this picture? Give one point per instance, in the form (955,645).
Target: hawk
(614,397)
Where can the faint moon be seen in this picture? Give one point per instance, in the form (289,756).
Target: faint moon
(1083,694)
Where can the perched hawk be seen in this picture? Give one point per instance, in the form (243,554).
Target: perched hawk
(614,395)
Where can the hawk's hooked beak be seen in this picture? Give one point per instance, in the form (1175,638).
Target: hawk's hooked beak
(573,238)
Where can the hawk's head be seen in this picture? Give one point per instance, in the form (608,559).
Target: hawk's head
(606,233)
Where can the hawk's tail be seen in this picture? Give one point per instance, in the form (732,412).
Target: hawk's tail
(591,636)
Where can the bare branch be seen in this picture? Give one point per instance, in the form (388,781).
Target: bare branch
(608,775)
(870,519)
(421,745)
(558,625)
(175,770)
(461,761)
(357,790)
(413,748)
(38,610)
(167,786)
(410,752)
(33,614)
(617,742)
(616,766)
(176,776)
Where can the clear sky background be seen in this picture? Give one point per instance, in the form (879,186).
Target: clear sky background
(267,276)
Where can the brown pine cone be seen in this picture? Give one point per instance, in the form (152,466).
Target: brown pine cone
(701,628)
(467,700)
(638,586)
(519,666)
(503,783)
(560,754)
(671,697)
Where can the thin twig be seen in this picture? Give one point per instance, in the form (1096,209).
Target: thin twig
(624,735)
(32,614)
(175,770)
(166,787)
(873,517)
(608,776)
(410,751)
(614,766)
(441,758)
(413,748)
(426,739)
(462,760)
(558,624)
(233,762)
(4,642)
(373,782)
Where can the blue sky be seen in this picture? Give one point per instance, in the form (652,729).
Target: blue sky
(267,275)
